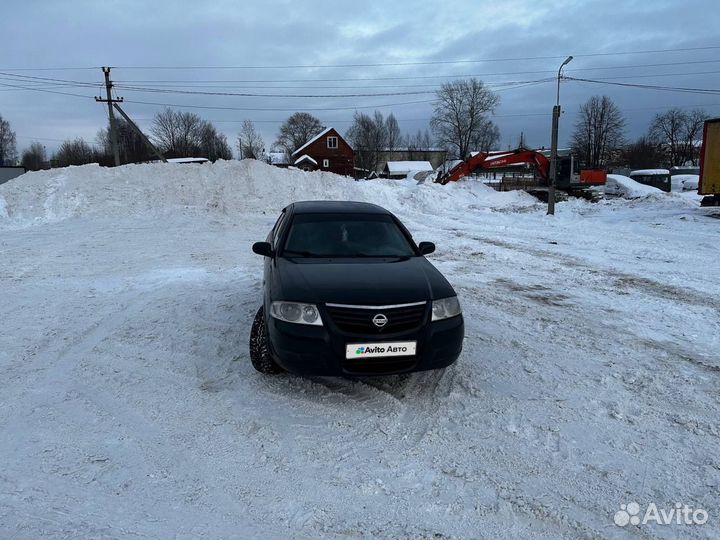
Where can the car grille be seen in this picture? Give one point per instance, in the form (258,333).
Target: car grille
(359,319)
(379,366)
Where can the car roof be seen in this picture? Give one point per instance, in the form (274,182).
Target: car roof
(337,207)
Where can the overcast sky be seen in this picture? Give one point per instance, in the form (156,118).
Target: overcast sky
(428,43)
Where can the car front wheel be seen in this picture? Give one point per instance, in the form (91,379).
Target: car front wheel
(259,349)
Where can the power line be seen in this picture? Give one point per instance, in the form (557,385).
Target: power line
(420,77)
(91,84)
(38,138)
(706,91)
(435,85)
(30,78)
(380,64)
(46,91)
(500,86)
(514,115)
(421,63)
(295,109)
(83,68)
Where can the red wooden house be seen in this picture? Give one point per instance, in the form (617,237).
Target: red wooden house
(327,151)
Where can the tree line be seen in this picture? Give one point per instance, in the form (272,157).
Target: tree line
(461,122)
(672,139)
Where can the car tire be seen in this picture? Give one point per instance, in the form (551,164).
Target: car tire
(259,348)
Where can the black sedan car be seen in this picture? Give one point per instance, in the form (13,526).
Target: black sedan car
(348,292)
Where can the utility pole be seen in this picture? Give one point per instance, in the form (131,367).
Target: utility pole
(111,115)
(554,143)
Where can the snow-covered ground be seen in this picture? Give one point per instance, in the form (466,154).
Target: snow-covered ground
(129,409)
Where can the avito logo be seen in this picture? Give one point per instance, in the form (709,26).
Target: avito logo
(379,349)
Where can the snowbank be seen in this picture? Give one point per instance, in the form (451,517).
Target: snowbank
(222,188)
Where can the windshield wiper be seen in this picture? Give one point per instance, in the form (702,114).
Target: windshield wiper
(292,252)
(383,256)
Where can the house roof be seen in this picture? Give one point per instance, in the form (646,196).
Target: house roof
(404,167)
(649,172)
(305,157)
(315,138)
(188,160)
(278,158)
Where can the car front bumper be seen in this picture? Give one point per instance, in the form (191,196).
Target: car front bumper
(320,350)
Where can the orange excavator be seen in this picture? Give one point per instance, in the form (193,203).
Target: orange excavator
(569,177)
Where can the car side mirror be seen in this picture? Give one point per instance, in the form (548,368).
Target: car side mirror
(263,248)
(426,248)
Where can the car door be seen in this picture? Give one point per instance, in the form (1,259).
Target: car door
(274,238)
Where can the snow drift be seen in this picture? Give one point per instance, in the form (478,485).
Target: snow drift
(225,187)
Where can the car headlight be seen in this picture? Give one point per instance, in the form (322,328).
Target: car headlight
(445,308)
(296,312)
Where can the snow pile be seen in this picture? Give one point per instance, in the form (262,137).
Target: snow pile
(628,188)
(224,188)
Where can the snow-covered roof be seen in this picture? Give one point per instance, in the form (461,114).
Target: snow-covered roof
(305,157)
(315,138)
(411,149)
(404,167)
(649,171)
(188,160)
(278,158)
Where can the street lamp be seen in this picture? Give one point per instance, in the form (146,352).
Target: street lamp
(554,143)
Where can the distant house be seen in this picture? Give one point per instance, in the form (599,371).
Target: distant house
(279,159)
(327,151)
(401,169)
(436,156)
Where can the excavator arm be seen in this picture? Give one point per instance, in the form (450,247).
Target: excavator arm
(493,160)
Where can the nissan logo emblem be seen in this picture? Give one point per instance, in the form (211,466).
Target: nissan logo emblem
(380,320)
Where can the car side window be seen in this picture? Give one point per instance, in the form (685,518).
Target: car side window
(277,230)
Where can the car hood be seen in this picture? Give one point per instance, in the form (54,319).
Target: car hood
(361,281)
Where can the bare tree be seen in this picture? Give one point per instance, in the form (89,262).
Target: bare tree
(250,142)
(34,157)
(667,129)
(213,145)
(75,152)
(419,145)
(184,134)
(599,131)
(677,132)
(642,154)
(296,131)
(131,147)
(460,111)
(368,136)
(392,130)
(694,123)
(8,148)
(487,138)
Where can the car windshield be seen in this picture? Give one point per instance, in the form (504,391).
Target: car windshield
(346,235)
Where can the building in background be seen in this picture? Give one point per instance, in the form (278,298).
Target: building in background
(398,170)
(327,151)
(436,156)
(8,172)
